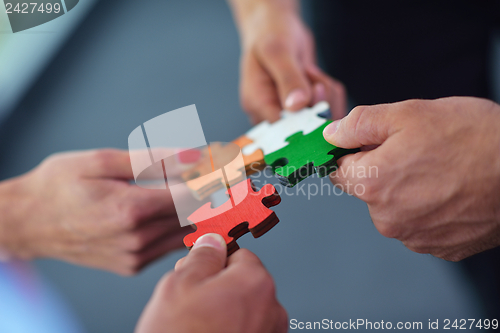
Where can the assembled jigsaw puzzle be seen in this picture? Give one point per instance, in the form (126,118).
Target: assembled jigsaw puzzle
(294,148)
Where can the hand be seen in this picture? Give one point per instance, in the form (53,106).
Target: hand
(435,176)
(80,207)
(278,63)
(205,295)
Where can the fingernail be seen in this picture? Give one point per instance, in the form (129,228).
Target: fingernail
(330,130)
(297,96)
(211,240)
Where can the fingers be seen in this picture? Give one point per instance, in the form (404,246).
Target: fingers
(115,163)
(364,126)
(206,258)
(245,270)
(346,176)
(102,163)
(294,88)
(259,96)
(269,85)
(140,238)
(145,205)
(106,163)
(282,321)
(131,252)
(239,258)
(158,249)
(367,127)
(327,89)
(179,263)
(153,166)
(243,257)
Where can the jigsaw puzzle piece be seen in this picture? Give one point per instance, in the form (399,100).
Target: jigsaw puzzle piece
(272,137)
(203,186)
(204,165)
(232,221)
(253,162)
(221,165)
(304,156)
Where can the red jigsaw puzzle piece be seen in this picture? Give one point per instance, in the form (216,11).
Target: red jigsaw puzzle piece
(251,214)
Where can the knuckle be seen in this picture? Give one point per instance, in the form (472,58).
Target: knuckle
(453,256)
(413,103)
(417,249)
(355,120)
(368,190)
(53,158)
(409,107)
(247,102)
(338,87)
(267,284)
(363,115)
(387,228)
(248,258)
(255,277)
(102,158)
(273,46)
(167,283)
(200,260)
(132,264)
(207,256)
(135,243)
(261,283)
(358,110)
(129,216)
(251,278)
(54,164)
(126,271)
(364,123)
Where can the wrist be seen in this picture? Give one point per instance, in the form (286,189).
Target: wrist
(13,231)
(250,14)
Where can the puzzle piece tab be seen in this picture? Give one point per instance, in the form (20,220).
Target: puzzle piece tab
(272,137)
(254,161)
(304,156)
(233,221)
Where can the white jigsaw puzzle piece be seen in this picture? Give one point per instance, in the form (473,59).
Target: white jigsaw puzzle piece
(271,137)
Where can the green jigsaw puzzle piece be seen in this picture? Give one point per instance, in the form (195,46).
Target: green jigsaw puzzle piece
(304,156)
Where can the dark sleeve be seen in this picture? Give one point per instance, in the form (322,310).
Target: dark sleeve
(395,50)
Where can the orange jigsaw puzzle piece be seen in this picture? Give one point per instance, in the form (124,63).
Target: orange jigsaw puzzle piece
(253,162)
(203,180)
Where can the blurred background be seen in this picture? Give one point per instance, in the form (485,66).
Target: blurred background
(113,65)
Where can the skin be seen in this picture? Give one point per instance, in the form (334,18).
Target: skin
(278,62)
(209,292)
(80,207)
(438,184)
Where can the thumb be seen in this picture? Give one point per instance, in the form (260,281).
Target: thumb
(207,257)
(294,88)
(363,126)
